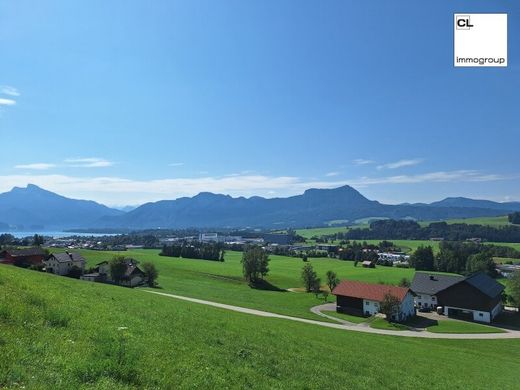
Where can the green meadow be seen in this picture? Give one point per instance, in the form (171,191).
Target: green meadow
(61,333)
(223,281)
(308,233)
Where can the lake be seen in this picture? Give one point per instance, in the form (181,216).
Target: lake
(55,234)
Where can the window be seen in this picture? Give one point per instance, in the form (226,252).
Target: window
(480,315)
(367,303)
(433,298)
(419,297)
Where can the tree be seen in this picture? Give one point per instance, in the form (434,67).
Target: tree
(389,306)
(118,266)
(310,278)
(404,282)
(38,240)
(151,273)
(514,288)
(332,280)
(255,264)
(481,262)
(325,294)
(423,259)
(316,287)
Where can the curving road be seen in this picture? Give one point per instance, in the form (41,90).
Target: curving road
(509,334)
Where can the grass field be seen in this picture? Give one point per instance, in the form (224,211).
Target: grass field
(60,333)
(308,233)
(223,281)
(462,327)
(346,317)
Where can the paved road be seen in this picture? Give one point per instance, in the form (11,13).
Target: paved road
(510,334)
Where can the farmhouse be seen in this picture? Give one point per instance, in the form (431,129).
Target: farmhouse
(426,286)
(133,276)
(477,297)
(100,273)
(365,299)
(63,263)
(23,257)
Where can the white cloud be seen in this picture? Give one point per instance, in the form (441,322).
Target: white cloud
(36,166)
(118,191)
(177,164)
(331,174)
(90,162)
(432,177)
(8,90)
(362,161)
(401,163)
(7,102)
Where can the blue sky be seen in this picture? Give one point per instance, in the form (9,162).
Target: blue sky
(125,102)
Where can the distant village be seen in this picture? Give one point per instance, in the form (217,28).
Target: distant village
(72,264)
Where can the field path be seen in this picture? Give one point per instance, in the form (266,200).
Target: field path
(509,334)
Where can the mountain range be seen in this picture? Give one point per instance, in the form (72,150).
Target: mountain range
(33,208)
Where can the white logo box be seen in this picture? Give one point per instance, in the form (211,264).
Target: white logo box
(480,40)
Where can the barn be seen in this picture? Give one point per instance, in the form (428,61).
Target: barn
(477,297)
(23,257)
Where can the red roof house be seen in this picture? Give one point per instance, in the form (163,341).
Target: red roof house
(364,298)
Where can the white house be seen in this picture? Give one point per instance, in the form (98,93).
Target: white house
(63,263)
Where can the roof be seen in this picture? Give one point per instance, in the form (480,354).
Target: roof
(67,257)
(485,283)
(132,269)
(26,252)
(367,262)
(374,292)
(429,283)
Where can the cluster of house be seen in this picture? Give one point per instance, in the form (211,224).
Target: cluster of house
(67,263)
(476,297)
(396,258)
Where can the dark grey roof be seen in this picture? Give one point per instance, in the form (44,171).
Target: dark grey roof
(431,283)
(486,284)
(36,251)
(66,257)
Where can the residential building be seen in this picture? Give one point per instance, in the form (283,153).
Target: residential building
(63,263)
(365,299)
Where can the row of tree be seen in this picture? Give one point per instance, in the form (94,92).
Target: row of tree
(456,257)
(204,251)
(411,230)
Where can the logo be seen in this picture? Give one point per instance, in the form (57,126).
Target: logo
(463,22)
(480,40)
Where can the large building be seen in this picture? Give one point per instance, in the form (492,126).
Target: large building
(63,263)
(426,286)
(365,299)
(476,297)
